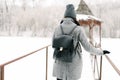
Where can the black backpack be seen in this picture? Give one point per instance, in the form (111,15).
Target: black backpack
(63,46)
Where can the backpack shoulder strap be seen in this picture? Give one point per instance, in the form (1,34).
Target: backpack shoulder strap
(70,31)
(62,29)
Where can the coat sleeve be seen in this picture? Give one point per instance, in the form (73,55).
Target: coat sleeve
(86,45)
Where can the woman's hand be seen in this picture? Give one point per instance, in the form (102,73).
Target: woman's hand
(106,52)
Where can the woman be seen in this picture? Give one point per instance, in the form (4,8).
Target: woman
(72,71)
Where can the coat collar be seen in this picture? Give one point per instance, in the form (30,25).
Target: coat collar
(68,19)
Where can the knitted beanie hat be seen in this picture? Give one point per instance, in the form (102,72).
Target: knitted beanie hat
(70,12)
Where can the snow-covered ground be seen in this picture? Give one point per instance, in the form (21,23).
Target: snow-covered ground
(33,67)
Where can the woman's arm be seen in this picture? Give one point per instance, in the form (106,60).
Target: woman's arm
(87,46)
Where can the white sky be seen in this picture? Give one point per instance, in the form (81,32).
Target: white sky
(58,2)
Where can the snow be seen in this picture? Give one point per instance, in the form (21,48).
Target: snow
(87,17)
(33,67)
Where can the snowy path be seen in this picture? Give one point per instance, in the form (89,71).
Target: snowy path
(33,67)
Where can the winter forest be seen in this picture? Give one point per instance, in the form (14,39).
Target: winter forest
(40,17)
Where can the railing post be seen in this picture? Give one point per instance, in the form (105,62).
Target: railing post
(1,72)
(101,68)
(47,63)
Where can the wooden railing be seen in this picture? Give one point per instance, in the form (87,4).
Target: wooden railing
(95,63)
(113,65)
(98,69)
(2,69)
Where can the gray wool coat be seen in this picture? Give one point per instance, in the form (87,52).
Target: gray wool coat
(72,71)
